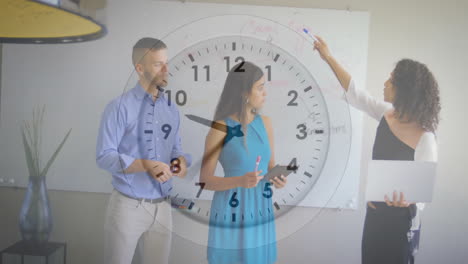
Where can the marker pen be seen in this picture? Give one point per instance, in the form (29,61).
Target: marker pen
(310,35)
(257,163)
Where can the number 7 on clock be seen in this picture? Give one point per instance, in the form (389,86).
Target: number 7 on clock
(202,186)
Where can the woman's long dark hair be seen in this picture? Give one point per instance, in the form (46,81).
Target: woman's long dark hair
(416,94)
(236,90)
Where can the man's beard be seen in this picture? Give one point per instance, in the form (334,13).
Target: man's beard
(154,82)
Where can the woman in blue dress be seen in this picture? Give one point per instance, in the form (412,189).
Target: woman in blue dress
(242,227)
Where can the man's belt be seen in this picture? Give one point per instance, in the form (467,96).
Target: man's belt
(152,201)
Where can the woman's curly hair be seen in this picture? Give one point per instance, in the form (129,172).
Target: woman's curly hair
(416,94)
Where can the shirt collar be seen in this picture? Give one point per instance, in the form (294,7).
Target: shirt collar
(139,92)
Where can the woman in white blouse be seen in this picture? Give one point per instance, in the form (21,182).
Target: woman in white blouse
(408,117)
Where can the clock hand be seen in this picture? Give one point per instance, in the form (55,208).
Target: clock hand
(207,122)
(231,131)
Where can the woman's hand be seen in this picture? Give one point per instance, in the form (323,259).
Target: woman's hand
(322,47)
(250,179)
(397,203)
(279,182)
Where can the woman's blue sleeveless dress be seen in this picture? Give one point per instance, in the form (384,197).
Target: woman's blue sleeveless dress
(242,227)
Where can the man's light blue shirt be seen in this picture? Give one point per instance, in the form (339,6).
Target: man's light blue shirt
(133,126)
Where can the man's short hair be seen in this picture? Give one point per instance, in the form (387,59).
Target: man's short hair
(144,45)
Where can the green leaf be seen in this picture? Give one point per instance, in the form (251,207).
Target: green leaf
(52,158)
(29,159)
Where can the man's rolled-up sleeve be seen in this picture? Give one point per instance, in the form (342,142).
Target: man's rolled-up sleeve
(111,131)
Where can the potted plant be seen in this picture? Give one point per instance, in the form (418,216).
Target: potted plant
(35,215)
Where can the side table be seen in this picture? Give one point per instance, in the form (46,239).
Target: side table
(24,248)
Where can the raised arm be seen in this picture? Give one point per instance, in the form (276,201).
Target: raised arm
(359,98)
(341,74)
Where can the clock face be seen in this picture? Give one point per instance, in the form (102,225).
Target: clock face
(311,122)
(294,103)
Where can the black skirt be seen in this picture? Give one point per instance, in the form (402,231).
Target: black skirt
(385,238)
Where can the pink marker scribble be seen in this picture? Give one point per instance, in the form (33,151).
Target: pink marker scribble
(300,43)
(254,27)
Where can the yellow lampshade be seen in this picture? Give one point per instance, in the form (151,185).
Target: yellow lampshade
(23,21)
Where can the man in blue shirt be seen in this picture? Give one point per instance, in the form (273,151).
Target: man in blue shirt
(139,144)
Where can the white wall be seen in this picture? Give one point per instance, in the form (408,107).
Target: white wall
(430,31)
(90,78)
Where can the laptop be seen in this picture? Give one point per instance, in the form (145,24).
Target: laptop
(414,178)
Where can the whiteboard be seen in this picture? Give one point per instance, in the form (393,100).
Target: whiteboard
(76,81)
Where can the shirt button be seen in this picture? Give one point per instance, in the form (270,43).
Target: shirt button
(157,139)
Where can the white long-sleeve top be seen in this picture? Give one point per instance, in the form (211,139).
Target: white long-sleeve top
(426,149)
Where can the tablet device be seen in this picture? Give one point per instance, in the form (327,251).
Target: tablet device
(277,171)
(414,178)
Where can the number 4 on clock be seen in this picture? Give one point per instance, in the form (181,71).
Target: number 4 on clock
(293,165)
